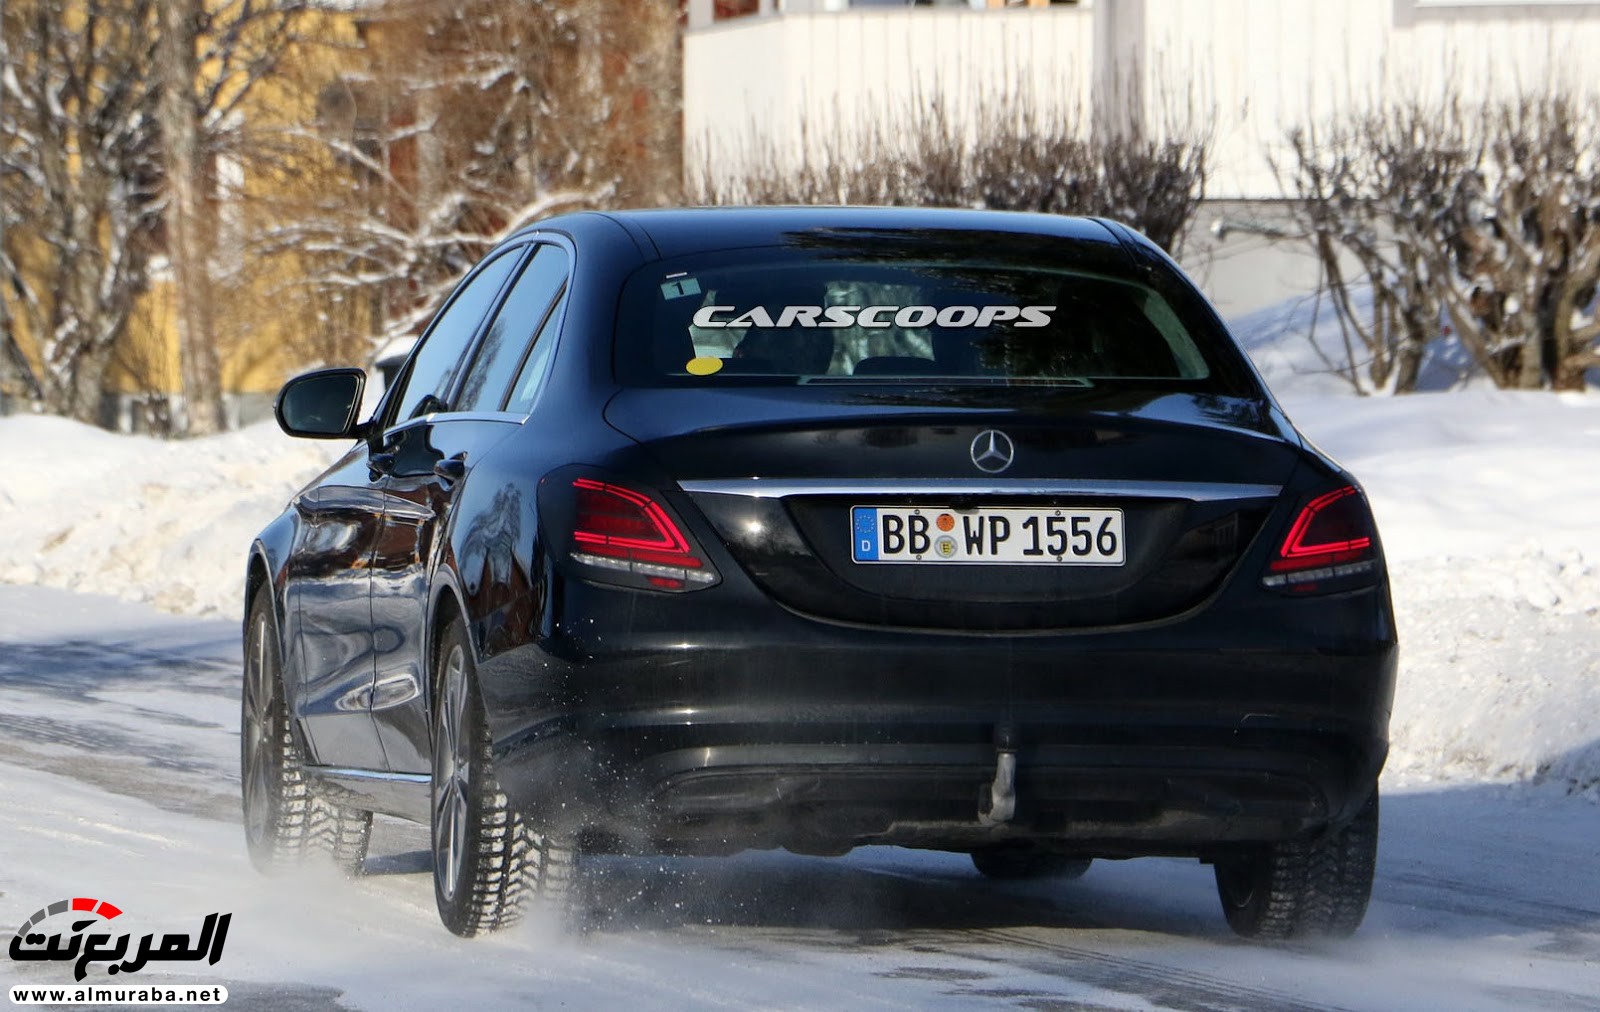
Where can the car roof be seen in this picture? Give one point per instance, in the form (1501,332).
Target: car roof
(678,232)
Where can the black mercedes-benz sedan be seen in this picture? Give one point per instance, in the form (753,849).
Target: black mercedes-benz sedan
(691,531)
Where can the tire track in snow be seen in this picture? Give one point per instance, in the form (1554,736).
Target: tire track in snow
(1474,899)
(55,722)
(1163,985)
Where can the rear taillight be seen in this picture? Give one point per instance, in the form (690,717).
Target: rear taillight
(1329,544)
(624,536)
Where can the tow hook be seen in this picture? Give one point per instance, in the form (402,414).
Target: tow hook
(1000,804)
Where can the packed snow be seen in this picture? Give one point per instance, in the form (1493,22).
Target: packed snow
(118,777)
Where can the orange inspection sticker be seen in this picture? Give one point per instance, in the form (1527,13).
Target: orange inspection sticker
(945,522)
(704,365)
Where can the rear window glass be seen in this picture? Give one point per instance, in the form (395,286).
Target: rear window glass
(770,316)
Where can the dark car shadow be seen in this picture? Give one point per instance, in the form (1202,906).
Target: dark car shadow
(862,899)
(1431,880)
(1434,846)
(411,862)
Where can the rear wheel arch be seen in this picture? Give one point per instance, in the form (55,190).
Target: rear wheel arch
(449,603)
(446,609)
(452,598)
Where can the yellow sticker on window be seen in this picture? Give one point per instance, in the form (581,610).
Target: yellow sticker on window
(705,365)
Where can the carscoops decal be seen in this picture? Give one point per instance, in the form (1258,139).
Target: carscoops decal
(873,317)
(81,949)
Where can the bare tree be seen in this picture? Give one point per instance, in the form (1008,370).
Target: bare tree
(190,224)
(111,174)
(1002,153)
(212,57)
(460,122)
(81,190)
(1488,217)
(1524,255)
(1343,199)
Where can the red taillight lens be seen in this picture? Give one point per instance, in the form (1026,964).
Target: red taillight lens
(624,531)
(1331,528)
(619,521)
(1330,539)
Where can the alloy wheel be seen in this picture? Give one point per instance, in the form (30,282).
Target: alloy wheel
(452,771)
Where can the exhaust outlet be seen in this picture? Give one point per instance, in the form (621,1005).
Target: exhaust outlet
(999,805)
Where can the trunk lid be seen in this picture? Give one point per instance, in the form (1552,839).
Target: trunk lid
(778,470)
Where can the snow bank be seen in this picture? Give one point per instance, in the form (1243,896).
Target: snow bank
(1488,502)
(1489,507)
(1473,473)
(1500,671)
(144,519)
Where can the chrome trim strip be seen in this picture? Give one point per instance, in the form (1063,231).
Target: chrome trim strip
(394,691)
(777,488)
(398,508)
(352,774)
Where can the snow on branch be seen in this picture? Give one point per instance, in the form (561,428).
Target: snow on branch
(1483,218)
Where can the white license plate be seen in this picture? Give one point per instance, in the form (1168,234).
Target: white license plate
(1064,536)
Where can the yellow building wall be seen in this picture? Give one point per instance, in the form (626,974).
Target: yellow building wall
(266,328)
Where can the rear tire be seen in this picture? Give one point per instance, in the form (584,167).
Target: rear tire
(284,822)
(486,861)
(1310,888)
(1013,862)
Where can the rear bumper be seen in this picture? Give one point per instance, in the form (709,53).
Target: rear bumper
(790,732)
(1103,801)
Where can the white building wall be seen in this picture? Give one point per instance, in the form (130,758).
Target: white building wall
(1476,48)
(1255,68)
(1252,68)
(776,77)
(1261,67)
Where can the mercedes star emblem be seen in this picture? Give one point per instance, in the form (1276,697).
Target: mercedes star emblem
(992,451)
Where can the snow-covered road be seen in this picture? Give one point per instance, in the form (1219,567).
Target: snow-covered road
(118,738)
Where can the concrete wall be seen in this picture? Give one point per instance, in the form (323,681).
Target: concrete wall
(1235,251)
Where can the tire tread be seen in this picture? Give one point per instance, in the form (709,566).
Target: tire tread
(302,826)
(1308,888)
(507,864)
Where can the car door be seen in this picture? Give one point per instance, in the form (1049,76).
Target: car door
(433,455)
(328,594)
(333,637)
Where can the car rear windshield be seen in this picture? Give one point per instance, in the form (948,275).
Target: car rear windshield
(760,316)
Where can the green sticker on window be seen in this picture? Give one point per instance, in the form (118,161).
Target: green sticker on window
(679,288)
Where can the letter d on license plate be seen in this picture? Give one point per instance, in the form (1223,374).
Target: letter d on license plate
(1014,536)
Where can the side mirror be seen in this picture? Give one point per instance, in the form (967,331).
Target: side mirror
(322,404)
